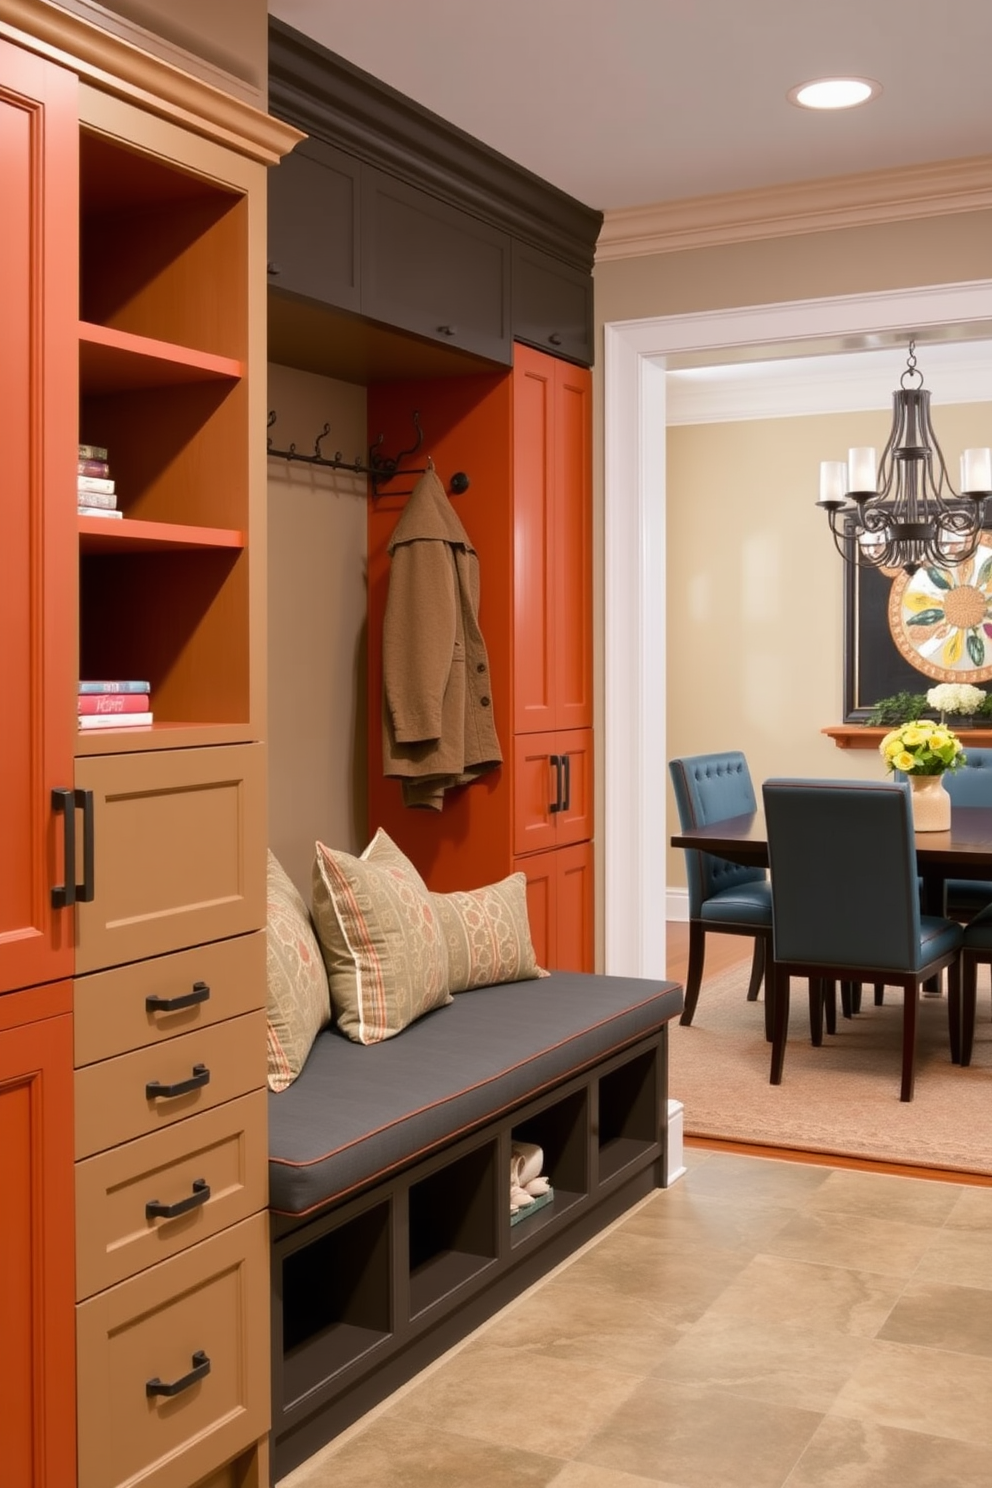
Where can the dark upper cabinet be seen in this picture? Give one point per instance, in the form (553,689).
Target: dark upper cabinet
(432,269)
(552,305)
(313,225)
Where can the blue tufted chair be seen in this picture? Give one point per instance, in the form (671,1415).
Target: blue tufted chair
(845,900)
(976,951)
(970,786)
(723,896)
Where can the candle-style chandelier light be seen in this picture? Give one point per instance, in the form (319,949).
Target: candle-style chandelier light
(905,513)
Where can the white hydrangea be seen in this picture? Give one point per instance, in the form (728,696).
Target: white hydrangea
(955,697)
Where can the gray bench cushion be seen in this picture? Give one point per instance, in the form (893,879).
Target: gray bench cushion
(358,1112)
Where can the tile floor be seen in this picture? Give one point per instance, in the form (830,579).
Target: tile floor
(760,1324)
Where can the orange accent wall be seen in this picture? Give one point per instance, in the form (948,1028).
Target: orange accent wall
(467,424)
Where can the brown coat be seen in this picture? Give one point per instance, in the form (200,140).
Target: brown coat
(438,728)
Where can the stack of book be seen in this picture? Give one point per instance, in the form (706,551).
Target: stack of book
(96,494)
(120,704)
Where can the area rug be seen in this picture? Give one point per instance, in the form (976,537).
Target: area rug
(842,1098)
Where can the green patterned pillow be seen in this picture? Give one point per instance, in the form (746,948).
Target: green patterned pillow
(298,1003)
(381,940)
(487,935)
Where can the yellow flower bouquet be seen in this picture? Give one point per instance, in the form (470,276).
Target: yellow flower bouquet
(922,748)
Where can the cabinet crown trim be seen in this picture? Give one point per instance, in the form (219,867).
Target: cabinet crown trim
(338,102)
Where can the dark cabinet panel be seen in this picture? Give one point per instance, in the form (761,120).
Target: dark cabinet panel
(552,305)
(314,196)
(434,270)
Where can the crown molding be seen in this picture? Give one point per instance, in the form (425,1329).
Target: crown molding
(862,200)
(341,104)
(125,70)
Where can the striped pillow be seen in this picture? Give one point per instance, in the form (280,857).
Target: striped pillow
(298,1004)
(487,935)
(381,940)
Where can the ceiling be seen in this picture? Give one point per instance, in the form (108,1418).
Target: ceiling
(623,103)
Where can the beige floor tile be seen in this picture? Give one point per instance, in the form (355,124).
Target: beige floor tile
(685,1217)
(699,1438)
(857,1454)
(581,1322)
(405,1454)
(959,1255)
(972,1210)
(584,1475)
(499,1395)
(663,1274)
(885,1196)
(756,1180)
(835,1299)
(938,1315)
(921,1389)
(892,1248)
(781,1365)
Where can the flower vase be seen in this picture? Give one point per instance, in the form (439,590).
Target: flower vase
(931,803)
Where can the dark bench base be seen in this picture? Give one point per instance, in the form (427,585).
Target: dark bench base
(370,1290)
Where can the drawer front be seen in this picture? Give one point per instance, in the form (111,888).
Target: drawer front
(179,851)
(208,1304)
(112,1012)
(211,1169)
(113,1100)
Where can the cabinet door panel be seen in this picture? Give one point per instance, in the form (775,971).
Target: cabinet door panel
(537,785)
(533,543)
(542,903)
(314,201)
(552,305)
(179,851)
(433,269)
(37,1364)
(574,823)
(573,548)
(575,921)
(38,377)
(210,1300)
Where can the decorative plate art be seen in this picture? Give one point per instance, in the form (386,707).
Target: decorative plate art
(941,618)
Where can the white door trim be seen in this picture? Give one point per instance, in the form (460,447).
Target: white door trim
(636,353)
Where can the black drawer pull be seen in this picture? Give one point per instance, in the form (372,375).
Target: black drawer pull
(200,1195)
(84,800)
(156,1004)
(155,1090)
(446,330)
(64,894)
(201,1367)
(274,269)
(556,759)
(555,339)
(567,766)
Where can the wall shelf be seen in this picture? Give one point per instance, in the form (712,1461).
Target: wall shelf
(862,736)
(109,535)
(111,360)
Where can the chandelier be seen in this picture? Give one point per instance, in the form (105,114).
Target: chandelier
(905,513)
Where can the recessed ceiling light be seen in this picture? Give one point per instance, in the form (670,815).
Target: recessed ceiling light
(834,93)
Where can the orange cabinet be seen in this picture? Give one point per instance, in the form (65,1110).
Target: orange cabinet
(524,441)
(37,1385)
(560,906)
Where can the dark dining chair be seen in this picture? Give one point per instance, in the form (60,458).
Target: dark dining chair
(724,897)
(845,901)
(970,786)
(976,950)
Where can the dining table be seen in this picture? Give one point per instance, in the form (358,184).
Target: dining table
(963,851)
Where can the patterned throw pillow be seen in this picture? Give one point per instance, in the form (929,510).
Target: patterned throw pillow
(381,939)
(298,1003)
(487,935)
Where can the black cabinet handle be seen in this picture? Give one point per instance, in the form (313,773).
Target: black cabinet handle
(555,339)
(446,330)
(201,1367)
(555,805)
(567,767)
(274,270)
(155,1090)
(200,1195)
(84,800)
(157,1004)
(64,894)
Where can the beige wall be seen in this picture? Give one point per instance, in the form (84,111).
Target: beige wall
(316,625)
(754,596)
(754,591)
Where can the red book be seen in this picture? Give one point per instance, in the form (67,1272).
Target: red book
(113,702)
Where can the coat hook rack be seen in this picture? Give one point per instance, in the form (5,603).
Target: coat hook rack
(378,467)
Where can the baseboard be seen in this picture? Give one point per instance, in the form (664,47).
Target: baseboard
(677,905)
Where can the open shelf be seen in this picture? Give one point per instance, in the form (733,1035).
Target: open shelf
(112,361)
(336,1301)
(452,1227)
(108,535)
(628,1119)
(561,1132)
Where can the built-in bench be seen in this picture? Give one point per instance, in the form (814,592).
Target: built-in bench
(390,1178)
